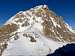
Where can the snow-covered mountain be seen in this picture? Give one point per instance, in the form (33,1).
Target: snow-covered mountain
(35,32)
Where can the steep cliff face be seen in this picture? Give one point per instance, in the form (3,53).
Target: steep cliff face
(38,29)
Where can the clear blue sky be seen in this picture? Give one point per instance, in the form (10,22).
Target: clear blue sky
(65,8)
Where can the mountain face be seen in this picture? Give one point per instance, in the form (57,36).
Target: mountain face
(48,23)
(35,32)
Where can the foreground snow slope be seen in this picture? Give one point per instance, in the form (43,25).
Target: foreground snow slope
(24,47)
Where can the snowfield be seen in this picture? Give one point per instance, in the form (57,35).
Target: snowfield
(23,47)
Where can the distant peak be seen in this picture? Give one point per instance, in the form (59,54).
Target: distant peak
(39,7)
(42,6)
(45,6)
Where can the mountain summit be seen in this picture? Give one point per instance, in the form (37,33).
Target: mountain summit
(35,32)
(45,21)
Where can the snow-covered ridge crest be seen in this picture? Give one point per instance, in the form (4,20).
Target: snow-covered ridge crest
(35,8)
